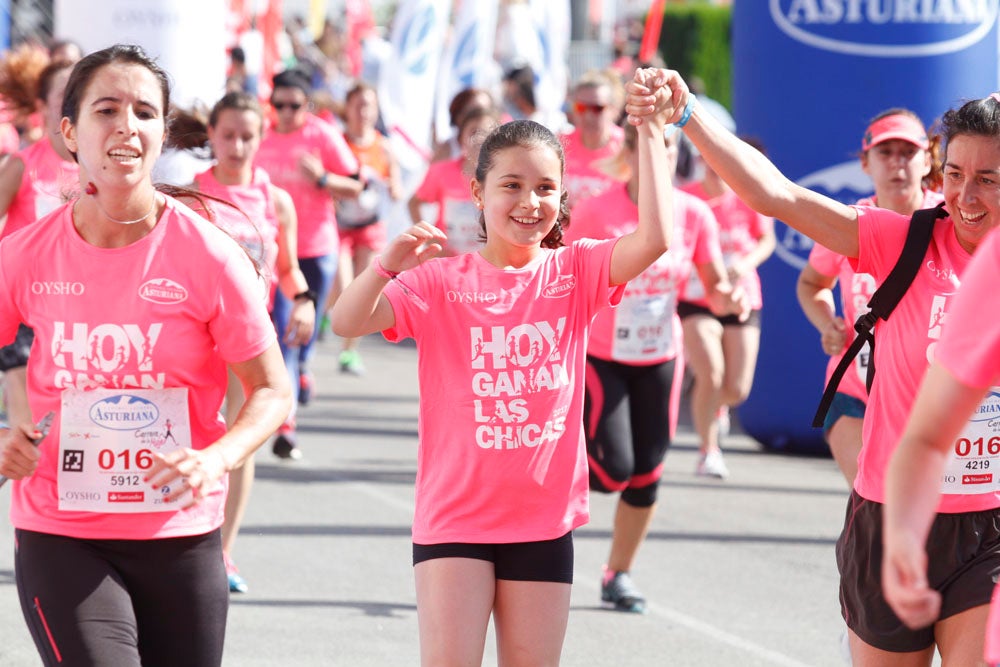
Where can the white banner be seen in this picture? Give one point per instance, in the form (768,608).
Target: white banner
(468,59)
(187,37)
(552,25)
(406,88)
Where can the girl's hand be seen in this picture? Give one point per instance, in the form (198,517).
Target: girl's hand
(191,474)
(413,247)
(18,453)
(904,583)
(301,323)
(655,95)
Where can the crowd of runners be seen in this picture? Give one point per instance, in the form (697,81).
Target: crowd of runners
(173,325)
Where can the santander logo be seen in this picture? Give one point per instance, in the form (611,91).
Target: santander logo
(163,291)
(886,28)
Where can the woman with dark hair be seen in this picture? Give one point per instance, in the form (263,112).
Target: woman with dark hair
(964,544)
(118,554)
(308,158)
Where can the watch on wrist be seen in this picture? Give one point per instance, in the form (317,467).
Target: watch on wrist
(308,294)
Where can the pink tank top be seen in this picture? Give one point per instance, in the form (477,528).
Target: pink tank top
(48,182)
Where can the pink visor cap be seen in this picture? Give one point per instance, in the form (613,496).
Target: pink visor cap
(897,126)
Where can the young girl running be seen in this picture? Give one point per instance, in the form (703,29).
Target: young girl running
(502,468)
(902,162)
(968,512)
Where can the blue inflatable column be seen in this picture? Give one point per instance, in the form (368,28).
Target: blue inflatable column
(809,75)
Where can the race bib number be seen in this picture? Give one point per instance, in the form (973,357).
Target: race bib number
(644,328)
(975,458)
(461,219)
(107,439)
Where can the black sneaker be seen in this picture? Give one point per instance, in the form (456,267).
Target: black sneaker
(621,593)
(284,448)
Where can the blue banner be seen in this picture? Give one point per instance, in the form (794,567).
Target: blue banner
(808,76)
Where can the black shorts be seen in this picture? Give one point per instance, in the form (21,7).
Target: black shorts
(687,309)
(547,560)
(963,558)
(15,355)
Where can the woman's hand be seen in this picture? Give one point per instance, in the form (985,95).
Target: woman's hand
(904,583)
(413,247)
(655,95)
(301,322)
(311,167)
(191,474)
(18,453)
(834,336)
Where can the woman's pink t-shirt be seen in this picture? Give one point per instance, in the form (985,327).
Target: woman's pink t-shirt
(906,343)
(447,185)
(644,329)
(279,155)
(740,230)
(584,177)
(501,357)
(255,226)
(170,310)
(856,291)
(48,182)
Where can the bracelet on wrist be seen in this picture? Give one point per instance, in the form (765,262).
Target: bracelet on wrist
(382,271)
(688,110)
(308,294)
(322,180)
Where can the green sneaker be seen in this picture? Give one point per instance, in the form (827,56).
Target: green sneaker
(350,362)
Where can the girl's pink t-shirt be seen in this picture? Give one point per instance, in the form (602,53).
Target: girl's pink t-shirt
(644,329)
(255,226)
(48,182)
(279,155)
(501,356)
(584,177)
(740,230)
(170,310)
(447,185)
(856,291)
(970,351)
(906,343)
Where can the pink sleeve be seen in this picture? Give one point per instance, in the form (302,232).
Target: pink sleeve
(826,261)
(9,317)
(881,234)
(337,155)
(591,253)
(970,345)
(241,326)
(430,187)
(707,247)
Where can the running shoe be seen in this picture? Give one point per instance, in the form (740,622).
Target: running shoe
(621,593)
(350,363)
(306,386)
(284,447)
(712,465)
(237,584)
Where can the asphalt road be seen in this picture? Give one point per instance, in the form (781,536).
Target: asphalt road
(737,572)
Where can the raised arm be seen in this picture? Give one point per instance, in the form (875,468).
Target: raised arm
(755,178)
(637,250)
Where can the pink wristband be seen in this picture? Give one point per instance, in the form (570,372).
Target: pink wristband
(382,271)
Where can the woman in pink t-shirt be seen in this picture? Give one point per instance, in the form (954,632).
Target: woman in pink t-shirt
(138,308)
(635,360)
(722,349)
(872,238)
(961,384)
(903,164)
(308,158)
(263,222)
(501,335)
(33,182)
(596,136)
(446,184)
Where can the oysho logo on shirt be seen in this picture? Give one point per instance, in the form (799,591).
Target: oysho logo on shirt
(57,288)
(163,291)
(559,287)
(455,296)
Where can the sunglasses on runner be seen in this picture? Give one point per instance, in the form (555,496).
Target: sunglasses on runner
(581,107)
(279,106)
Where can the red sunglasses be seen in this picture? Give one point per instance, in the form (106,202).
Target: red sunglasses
(581,107)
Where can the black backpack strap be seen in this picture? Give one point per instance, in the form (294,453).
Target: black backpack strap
(883,302)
